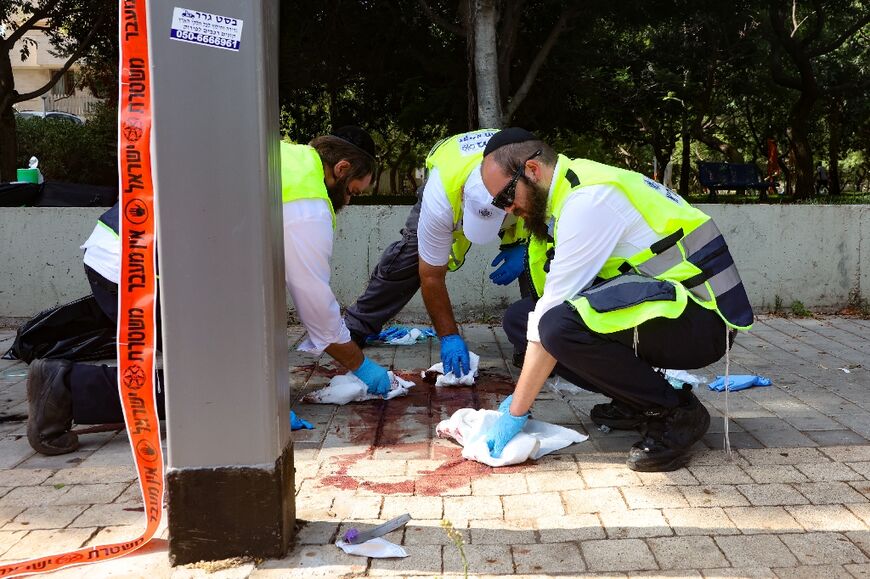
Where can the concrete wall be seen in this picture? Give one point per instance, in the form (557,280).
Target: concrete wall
(808,253)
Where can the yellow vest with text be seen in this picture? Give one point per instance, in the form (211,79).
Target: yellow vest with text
(302,175)
(690,261)
(455,158)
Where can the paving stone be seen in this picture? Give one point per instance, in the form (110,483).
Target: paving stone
(826,493)
(738,573)
(858,571)
(580,527)
(837,437)
(500,484)
(116,533)
(366,468)
(539,482)
(374,485)
(600,460)
(828,472)
(592,501)
(418,507)
(47,517)
(720,475)
(465,508)
(45,542)
(826,518)
(14,451)
(686,552)
(680,573)
(316,533)
(421,561)
(813,572)
(20,477)
(775,473)
(360,507)
(552,558)
(32,496)
(765,456)
(423,532)
(756,551)
(531,506)
(618,555)
(89,494)
(677,477)
(763,520)
(498,532)
(860,510)
(8,513)
(634,524)
(610,477)
(700,521)
(482,559)
(713,496)
(8,539)
(313,561)
(654,497)
(85,475)
(821,548)
(856,453)
(772,494)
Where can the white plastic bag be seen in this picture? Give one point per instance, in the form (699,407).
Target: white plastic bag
(348,388)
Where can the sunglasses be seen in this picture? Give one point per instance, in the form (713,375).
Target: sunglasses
(505,197)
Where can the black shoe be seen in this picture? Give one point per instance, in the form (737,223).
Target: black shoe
(518,359)
(358,339)
(669,435)
(617,416)
(49,404)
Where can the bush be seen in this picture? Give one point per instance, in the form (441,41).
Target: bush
(72,153)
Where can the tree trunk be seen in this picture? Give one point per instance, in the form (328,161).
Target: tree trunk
(8,136)
(685,169)
(485,18)
(800,142)
(835,126)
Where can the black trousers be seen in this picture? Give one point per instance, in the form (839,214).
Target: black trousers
(607,364)
(95,388)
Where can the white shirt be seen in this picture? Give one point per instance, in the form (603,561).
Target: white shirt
(435,226)
(308,238)
(597,222)
(103,252)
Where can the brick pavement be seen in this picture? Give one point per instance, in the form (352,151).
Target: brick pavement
(792,502)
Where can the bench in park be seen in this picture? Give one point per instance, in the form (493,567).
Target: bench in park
(731,177)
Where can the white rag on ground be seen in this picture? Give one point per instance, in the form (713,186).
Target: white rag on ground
(408,339)
(468,427)
(450,379)
(348,388)
(376,548)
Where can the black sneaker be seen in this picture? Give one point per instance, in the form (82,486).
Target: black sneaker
(668,436)
(49,404)
(617,416)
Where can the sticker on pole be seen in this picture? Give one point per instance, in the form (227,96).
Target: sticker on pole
(207,29)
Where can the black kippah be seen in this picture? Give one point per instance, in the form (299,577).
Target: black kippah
(356,136)
(507,137)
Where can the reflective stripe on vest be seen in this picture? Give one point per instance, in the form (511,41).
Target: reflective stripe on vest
(692,253)
(302,175)
(455,158)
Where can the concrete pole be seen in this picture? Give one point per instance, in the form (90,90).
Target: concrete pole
(221,272)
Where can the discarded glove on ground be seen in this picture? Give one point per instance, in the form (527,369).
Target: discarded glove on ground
(738,382)
(348,388)
(450,379)
(402,336)
(468,427)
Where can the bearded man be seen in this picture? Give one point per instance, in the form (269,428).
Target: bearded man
(630,278)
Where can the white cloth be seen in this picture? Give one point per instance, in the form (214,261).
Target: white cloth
(308,239)
(408,339)
(597,222)
(377,548)
(348,388)
(103,252)
(468,427)
(450,378)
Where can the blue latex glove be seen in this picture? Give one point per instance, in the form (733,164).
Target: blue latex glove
(297,423)
(512,262)
(738,382)
(375,376)
(454,355)
(506,404)
(505,428)
(392,332)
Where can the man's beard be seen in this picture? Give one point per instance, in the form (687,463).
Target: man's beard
(536,217)
(338,193)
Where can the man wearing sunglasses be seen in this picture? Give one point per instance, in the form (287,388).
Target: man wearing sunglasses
(630,277)
(453,211)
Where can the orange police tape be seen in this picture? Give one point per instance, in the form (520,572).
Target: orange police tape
(136,296)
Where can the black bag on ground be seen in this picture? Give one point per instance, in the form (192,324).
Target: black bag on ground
(77,331)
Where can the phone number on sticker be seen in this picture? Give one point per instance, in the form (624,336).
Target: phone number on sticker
(205,39)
